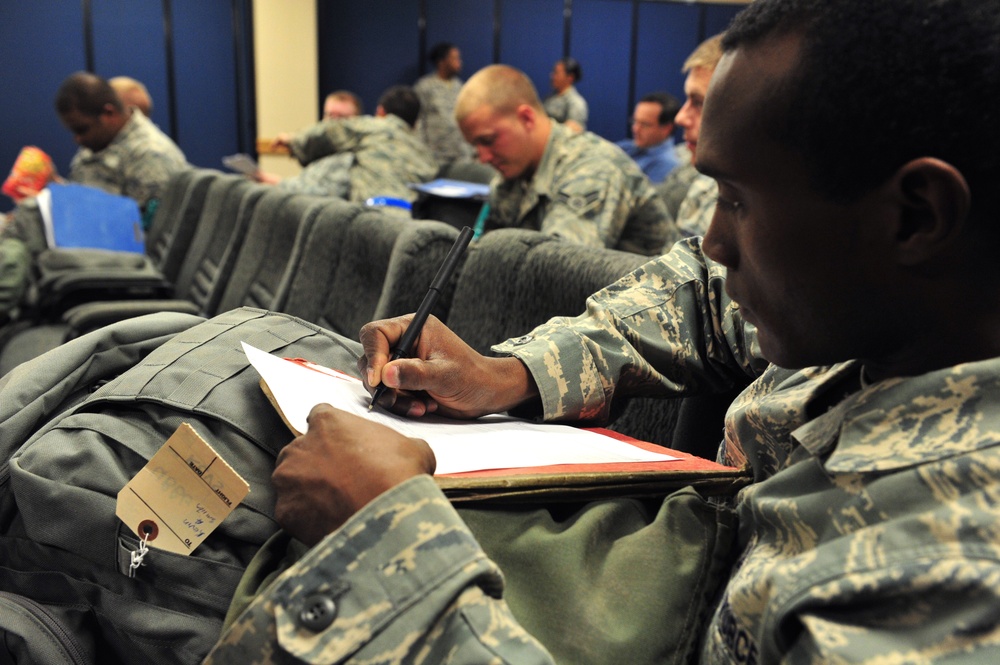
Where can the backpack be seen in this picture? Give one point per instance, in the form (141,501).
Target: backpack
(77,424)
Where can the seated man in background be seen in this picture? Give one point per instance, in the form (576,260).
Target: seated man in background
(573,185)
(342,104)
(674,190)
(133,94)
(871,531)
(438,92)
(121,152)
(652,144)
(362,157)
(338,104)
(566,104)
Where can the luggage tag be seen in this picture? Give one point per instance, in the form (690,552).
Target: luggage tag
(180,496)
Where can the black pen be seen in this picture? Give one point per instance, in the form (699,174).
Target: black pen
(406,342)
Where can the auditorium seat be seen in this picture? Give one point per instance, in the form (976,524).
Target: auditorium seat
(67,277)
(229,205)
(516,279)
(362,264)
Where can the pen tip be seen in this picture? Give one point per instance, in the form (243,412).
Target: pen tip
(370,406)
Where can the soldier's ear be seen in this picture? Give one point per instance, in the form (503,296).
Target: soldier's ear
(526,116)
(933,201)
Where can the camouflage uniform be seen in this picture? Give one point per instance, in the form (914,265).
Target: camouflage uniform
(698,206)
(876,539)
(587,191)
(871,534)
(567,105)
(436,124)
(402,582)
(388,155)
(327,176)
(674,189)
(137,163)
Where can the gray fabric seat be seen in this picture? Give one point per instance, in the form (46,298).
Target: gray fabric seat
(362,264)
(229,206)
(67,277)
(515,279)
(176,219)
(272,251)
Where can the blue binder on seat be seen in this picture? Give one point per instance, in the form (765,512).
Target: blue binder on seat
(82,216)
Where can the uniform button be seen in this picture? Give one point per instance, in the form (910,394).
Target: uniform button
(524,339)
(318,612)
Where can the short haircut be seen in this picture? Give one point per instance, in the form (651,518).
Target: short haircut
(401,101)
(87,93)
(572,67)
(348,96)
(706,55)
(439,52)
(501,87)
(861,102)
(669,106)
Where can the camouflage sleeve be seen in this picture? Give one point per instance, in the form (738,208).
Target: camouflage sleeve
(668,328)
(587,209)
(327,176)
(945,611)
(312,144)
(698,207)
(402,581)
(146,177)
(592,203)
(576,109)
(649,230)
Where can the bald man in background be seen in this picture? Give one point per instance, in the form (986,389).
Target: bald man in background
(133,94)
(576,186)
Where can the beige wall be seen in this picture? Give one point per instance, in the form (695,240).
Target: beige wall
(286,61)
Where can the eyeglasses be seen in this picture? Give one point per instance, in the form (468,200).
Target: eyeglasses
(644,125)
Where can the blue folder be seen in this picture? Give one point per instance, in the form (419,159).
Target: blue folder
(89,217)
(453,189)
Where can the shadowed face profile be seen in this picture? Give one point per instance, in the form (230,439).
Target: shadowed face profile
(800,265)
(90,131)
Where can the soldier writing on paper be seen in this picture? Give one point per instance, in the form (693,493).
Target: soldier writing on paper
(855,291)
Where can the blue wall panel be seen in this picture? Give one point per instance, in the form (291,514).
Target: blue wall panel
(129,41)
(667,35)
(468,24)
(367,46)
(41,42)
(600,41)
(531,38)
(717,17)
(205,73)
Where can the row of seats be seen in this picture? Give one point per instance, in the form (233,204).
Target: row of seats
(224,242)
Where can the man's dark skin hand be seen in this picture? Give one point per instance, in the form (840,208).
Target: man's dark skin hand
(337,467)
(444,375)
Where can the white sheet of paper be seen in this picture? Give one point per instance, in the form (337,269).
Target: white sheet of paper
(493,442)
